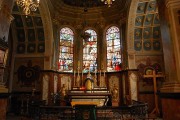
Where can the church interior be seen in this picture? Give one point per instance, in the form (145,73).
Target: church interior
(89,59)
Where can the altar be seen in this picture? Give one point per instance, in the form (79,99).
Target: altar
(97,96)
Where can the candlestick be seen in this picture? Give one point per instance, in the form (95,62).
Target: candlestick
(95,79)
(102,66)
(78,72)
(95,74)
(74,78)
(82,78)
(78,64)
(100,78)
(104,74)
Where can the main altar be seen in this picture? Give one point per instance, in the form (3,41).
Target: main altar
(104,88)
(89,91)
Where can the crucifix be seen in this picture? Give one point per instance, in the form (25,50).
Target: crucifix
(154,76)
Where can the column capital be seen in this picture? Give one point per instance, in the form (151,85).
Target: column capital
(171,3)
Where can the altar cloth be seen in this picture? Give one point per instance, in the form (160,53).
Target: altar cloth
(84,103)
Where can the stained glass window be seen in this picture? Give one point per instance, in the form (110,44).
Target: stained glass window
(89,51)
(113,49)
(65,63)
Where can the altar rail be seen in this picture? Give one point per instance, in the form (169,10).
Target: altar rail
(130,112)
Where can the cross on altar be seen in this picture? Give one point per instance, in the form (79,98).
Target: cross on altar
(154,76)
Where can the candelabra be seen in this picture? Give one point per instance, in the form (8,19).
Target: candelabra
(108,2)
(28,5)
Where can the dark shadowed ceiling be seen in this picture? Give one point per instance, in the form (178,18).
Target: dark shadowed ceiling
(87,3)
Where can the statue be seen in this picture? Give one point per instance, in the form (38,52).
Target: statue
(114,93)
(63,91)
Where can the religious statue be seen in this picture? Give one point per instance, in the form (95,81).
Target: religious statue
(63,91)
(114,92)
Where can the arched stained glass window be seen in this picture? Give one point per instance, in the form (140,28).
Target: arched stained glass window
(66,50)
(113,49)
(90,51)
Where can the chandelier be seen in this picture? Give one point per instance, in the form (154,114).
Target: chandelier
(108,2)
(28,5)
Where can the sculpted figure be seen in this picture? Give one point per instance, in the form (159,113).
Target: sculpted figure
(114,93)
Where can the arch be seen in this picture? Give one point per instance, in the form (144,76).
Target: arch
(143,31)
(48,28)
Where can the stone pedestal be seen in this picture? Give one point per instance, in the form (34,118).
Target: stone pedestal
(170,99)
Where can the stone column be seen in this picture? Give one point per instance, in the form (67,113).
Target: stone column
(168,11)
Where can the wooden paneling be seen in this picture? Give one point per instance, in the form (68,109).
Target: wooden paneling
(147,98)
(170,106)
(3,108)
